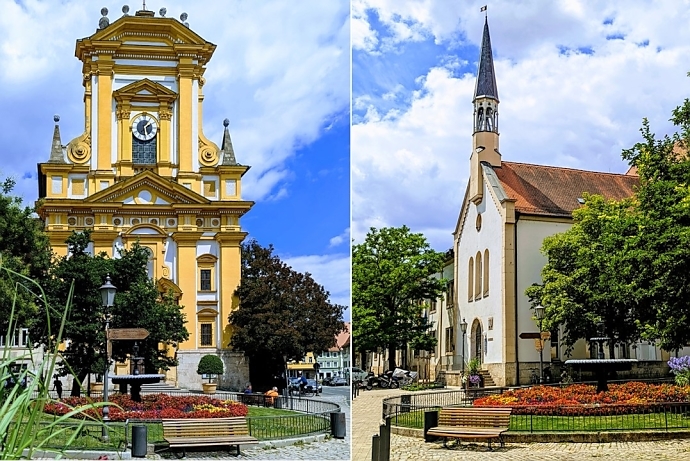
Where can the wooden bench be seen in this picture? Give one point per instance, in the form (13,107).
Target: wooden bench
(183,433)
(472,423)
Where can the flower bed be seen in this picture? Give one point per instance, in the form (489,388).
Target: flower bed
(154,406)
(583,400)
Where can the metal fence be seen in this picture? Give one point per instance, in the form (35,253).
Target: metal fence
(314,419)
(408,411)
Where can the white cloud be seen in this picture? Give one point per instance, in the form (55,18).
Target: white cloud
(340,239)
(332,271)
(410,165)
(280,73)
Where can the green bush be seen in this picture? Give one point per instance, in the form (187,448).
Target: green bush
(210,365)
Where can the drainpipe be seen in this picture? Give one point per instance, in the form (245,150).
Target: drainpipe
(515,249)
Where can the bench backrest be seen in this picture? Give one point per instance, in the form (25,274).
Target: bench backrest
(474,417)
(210,427)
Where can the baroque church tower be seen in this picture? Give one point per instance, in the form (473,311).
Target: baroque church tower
(143,170)
(485,136)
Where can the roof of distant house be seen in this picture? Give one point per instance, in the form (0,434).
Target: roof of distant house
(554,191)
(342,340)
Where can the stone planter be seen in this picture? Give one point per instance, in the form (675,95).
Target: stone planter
(209,388)
(96,387)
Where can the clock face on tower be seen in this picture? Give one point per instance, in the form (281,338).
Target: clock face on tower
(144,127)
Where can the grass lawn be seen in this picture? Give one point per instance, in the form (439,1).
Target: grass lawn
(265,424)
(644,421)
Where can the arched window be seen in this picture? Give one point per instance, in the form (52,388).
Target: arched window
(480,119)
(486,272)
(489,119)
(470,281)
(478,276)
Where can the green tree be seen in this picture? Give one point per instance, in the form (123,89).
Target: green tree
(628,263)
(663,267)
(137,304)
(282,312)
(25,250)
(590,275)
(392,276)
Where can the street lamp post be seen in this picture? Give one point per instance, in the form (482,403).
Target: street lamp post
(463,327)
(108,291)
(539,314)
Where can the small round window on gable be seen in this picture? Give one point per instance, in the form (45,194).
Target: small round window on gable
(479,222)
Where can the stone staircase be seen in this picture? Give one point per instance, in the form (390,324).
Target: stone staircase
(158,388)
(486,377)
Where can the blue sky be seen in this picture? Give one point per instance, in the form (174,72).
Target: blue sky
(575,79)
(280,74)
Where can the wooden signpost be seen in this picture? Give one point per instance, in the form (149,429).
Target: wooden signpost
(132,334)
(530,335)
(124,334)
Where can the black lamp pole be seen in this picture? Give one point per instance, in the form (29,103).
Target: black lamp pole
(108,291)
(539,314)
(463,327)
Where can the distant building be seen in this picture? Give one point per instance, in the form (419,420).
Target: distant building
(336,360)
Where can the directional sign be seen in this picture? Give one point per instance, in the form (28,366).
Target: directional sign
(115,334)
(529,335)
(545,335)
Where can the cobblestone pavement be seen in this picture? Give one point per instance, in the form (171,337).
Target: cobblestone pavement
(330,450)
(367,415)
(411,448)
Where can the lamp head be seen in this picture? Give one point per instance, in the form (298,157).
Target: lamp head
(463,326)
(108,291)
(539,312)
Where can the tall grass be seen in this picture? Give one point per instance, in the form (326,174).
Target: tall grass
(23,427)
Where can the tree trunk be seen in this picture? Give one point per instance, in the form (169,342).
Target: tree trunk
(391,357)
(364,361)
(76,384)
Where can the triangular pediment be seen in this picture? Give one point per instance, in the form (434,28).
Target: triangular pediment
(167,30)
(132,35)
(143,87)
(147,188)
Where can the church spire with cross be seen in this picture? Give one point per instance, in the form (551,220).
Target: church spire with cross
(485,133)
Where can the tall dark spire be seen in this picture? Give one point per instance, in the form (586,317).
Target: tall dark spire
(486,77)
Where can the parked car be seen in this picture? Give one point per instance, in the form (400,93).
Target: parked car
(311,383)
(327,381)
(358,374)
(338,381)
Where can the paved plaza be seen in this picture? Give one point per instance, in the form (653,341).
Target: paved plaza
(366,414)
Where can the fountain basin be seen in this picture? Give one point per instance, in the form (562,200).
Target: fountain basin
(135,381)
(601,367)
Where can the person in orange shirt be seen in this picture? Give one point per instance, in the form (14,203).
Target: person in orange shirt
(271,396)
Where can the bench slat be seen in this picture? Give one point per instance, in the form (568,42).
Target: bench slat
(200,432)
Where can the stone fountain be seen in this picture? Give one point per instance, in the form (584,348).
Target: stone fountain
(136,378)
(601,366)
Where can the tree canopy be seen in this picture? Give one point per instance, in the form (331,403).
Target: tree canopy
(281,312)
(392,276)
(25,249)
(137,304)
(627,263)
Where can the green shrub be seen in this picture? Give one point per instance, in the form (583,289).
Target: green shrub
(210,365)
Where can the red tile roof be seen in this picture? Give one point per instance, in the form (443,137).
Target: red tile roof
(553,191)
(343,339)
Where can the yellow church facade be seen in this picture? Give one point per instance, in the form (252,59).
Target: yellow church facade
(142,170)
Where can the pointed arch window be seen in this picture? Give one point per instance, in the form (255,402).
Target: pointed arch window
(489,119)
(470,281)
(478,276)
(486,273)
(480,119)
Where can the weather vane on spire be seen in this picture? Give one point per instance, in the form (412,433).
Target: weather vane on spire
(144,8)
(484,10)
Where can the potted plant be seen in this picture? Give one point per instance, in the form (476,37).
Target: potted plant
(473,379)
(210,366)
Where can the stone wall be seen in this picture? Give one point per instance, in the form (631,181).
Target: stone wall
(235,365)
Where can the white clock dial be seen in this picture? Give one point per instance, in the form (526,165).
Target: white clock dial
(144,127)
